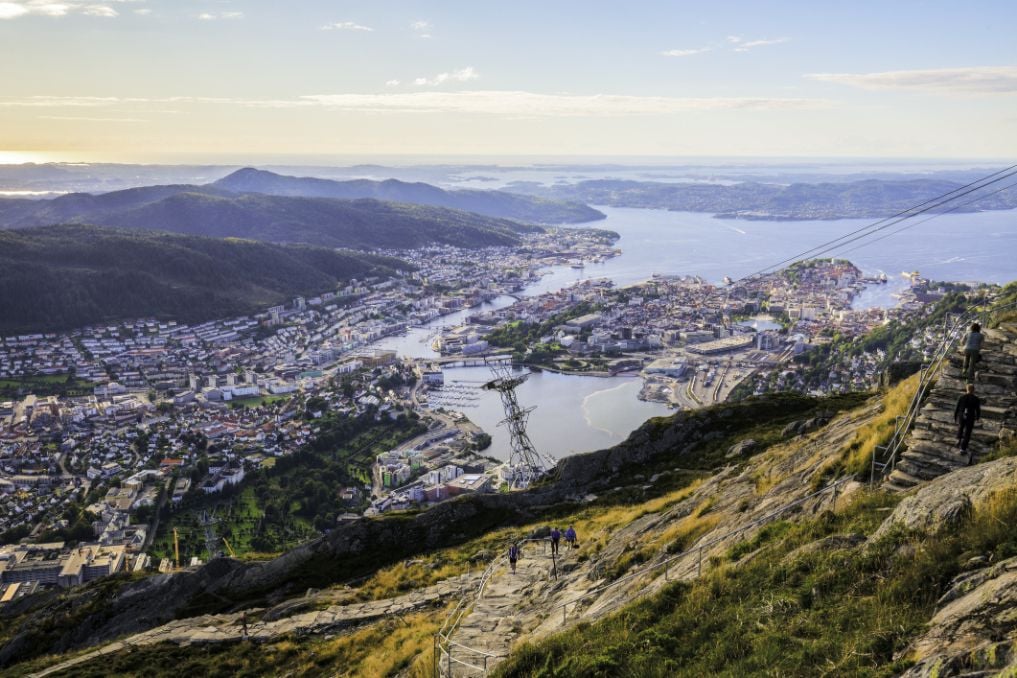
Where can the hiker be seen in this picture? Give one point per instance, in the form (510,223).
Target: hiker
(570,537)
(555,538)
(972,350)
(513,556)
(967,412)
(243,620)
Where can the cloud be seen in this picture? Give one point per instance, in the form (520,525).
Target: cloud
(100,10)
(422,28)
(462,75)
(530,104)
(973,80)
(751,44)
(507,103)
(733,42)
(13,9)
(104,102)
(392,83)
(345,26)
(215,16)
(684,52)
(83,118)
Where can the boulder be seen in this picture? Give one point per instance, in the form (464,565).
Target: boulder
(946,499)
(741,448)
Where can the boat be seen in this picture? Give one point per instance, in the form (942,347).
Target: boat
(579,265)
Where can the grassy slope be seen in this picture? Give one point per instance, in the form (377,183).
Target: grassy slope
(788,610)
(471,543)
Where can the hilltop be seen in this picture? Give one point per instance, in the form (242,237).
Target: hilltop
(212,212)
(866,198)
(499,204)
(57,277)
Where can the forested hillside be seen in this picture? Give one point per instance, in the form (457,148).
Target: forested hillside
(59,277)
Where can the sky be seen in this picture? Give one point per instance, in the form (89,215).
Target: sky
(245,80)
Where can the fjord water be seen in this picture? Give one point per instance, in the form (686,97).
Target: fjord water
(579,414)
(978,246)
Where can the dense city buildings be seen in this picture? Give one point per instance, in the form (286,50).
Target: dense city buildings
(103,429)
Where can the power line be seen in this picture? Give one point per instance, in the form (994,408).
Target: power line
(895,219)
(918,223)
(910,216)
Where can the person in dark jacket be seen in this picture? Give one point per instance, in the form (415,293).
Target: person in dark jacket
(555,539)
(513,555)
(570,537)
(967,412)
(972,350)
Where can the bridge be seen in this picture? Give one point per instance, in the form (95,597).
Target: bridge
(481,360)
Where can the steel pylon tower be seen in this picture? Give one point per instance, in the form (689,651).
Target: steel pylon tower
(525,462)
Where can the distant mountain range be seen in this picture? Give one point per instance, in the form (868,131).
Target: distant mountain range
(60,277)
(871,198)
(217,212)
(528,209)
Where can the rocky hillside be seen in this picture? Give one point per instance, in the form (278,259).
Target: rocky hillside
(727,540)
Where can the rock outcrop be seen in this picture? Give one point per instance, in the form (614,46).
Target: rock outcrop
(255,626)
(974,632)
(942,501)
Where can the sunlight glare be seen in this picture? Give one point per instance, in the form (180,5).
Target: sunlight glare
(21,157)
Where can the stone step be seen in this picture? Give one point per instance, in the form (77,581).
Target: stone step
(949,437)
(994,334)
(901,480)
(993,368)
(986,432)
(943,450)
(1000,362)
(943,457)
(933,414)
(947,403)
(982,388)
(925,469)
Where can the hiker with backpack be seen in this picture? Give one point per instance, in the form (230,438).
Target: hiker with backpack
(570,537)
(972,350)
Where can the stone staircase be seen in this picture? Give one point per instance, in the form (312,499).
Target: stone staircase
(486,634)
(931,449)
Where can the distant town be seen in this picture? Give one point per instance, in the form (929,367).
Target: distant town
(111,434)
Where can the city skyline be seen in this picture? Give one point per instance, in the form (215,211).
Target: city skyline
(207,81)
